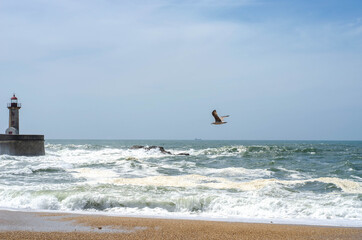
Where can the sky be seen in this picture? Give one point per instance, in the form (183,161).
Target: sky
(142,69)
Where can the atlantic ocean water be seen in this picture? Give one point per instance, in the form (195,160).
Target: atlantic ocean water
(296,182)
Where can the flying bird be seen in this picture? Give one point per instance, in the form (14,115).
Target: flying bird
(218,120)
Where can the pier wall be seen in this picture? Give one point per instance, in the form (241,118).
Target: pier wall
(22,145)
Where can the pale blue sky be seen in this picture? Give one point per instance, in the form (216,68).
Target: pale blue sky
(142,69)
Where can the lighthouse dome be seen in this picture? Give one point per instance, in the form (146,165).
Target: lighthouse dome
(12,131)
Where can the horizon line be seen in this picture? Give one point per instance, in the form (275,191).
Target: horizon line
(201,139)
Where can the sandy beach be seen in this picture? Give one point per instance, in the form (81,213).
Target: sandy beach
(32,225)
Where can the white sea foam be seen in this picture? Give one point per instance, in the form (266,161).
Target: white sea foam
(83,156)
(221,151)
(93,174)
(13,199)
(235,172)
(194,180)
(213,184)
(271,202)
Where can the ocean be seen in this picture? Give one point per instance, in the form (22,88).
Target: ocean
(294,182)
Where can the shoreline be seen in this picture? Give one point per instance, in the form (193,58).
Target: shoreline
(50,225)
(296,222)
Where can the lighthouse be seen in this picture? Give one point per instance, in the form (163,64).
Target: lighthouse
(13,107)
(13,143)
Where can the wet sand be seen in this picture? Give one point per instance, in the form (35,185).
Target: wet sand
(25,225)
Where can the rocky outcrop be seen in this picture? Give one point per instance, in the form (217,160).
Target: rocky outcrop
(161,149)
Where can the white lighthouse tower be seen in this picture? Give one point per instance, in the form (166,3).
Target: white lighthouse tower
(13,143)
(13,107)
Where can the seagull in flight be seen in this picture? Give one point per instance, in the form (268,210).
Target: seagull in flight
(218,120)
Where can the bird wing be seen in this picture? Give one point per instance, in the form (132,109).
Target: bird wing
(217,119)
(222,118)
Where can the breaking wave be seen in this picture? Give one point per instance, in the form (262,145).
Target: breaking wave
(320,181)
(260,200)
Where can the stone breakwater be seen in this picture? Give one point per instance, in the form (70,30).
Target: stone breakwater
(22,145)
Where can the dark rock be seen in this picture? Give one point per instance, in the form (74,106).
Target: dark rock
(184,154)
(162,149)
(137,147)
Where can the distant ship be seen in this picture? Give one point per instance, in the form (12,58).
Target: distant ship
(198,139)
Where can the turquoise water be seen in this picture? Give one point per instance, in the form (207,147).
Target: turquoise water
(307,182)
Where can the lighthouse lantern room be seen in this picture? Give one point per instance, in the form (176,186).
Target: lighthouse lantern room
(13,107)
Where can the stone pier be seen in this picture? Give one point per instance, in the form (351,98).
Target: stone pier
(22,145)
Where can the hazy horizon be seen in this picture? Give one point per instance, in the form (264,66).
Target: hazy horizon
(231,140)
(283,70)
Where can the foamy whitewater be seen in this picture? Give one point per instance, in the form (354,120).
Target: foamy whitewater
(318,183)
